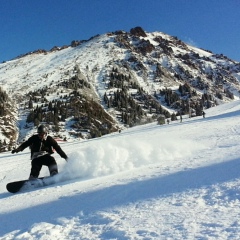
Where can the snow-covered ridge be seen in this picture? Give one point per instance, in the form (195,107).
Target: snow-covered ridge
(40,69)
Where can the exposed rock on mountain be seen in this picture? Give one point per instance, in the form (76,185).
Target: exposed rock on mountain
(138,32)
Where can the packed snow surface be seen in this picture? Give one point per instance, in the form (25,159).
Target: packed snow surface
(176,181)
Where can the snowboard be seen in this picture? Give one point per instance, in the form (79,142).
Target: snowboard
(16,186)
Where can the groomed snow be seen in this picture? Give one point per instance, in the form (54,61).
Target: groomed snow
(177,181)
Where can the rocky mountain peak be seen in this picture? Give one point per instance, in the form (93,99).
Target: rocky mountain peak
(138,31)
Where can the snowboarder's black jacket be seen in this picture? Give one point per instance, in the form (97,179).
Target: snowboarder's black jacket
(37,145)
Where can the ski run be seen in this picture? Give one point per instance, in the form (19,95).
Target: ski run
(176,181)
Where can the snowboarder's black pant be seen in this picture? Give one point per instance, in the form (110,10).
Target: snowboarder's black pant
(46,160)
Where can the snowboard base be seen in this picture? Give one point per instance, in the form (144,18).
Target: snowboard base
(14,187)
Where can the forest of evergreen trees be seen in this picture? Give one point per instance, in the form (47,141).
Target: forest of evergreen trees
(7,127)
(87,115)
(135,107)
(4,99)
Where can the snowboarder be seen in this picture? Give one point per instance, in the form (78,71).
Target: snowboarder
(41,149)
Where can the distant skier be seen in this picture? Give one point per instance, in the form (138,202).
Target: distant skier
(203,113)
(41,149)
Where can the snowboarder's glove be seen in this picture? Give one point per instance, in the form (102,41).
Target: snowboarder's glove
(16,150)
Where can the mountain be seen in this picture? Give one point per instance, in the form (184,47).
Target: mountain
(111,82)
(177,181)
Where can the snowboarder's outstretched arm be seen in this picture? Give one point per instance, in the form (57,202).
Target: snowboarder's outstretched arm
(23,145)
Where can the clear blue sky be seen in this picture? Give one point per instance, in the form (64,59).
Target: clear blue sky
(28,25)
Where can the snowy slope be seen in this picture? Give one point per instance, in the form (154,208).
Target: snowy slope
(37,70)
(177,181)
